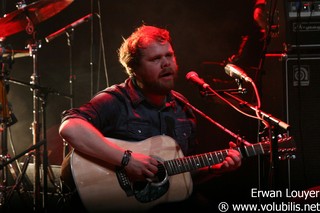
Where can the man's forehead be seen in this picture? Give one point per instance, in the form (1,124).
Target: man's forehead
(158,47)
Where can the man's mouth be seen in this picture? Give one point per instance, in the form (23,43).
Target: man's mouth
(167,73)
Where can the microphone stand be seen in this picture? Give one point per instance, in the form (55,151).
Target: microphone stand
(68,30)
(237,137)
(275,125)
(265,116)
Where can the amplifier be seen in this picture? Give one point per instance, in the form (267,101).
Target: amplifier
(303,103)
(304,9)
(294,24)
(290,92)
(303,24)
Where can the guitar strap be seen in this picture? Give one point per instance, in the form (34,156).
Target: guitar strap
(124,181)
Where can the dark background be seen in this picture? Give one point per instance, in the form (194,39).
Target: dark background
(205,33)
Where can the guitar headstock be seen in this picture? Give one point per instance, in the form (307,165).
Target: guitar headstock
(286,147)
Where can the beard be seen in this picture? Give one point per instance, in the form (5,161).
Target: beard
(160,87)
(163,84)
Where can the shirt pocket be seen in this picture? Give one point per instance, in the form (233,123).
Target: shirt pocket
(139,131)
(183,131)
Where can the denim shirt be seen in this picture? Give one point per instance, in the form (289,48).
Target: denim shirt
(122,112)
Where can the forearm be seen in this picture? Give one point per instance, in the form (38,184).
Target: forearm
(85,138)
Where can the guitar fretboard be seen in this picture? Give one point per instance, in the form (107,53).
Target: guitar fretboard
(190,163)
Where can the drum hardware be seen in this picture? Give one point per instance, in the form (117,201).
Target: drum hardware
(10,54)
(27,16)
(39,104)
(68,30)
(25,19)
(8,165)
(39,111)
(20,179)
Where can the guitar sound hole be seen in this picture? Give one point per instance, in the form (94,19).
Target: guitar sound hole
(146,191)
(161,175)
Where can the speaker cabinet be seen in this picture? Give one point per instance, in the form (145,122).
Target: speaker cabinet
(290,91)
(302,106)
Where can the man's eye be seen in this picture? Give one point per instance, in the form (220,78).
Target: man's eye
(170,55)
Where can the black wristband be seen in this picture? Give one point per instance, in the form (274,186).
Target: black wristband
(126,157)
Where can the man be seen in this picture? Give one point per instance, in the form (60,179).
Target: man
(144,106)
(252,47)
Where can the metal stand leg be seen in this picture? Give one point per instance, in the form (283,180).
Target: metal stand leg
(7,167)
(36,127)
(20,179)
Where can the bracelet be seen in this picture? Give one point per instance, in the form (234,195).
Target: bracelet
(126,157)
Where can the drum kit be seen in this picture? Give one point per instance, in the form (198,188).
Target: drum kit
(25,18)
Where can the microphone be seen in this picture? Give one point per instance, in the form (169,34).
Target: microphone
(66,28)
(193,76)
(236,72)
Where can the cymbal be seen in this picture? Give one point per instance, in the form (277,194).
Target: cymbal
(35,13)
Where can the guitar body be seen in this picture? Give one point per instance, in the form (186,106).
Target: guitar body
(99,188)
(103,187)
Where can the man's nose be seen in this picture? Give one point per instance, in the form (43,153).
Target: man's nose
(165,62)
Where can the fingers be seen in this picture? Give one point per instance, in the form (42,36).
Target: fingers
(141,167)
(233,160)
(151,170)
(232,144)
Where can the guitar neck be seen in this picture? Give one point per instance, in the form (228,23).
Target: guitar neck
(190,163)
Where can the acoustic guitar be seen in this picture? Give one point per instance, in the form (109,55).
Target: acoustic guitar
(104,188)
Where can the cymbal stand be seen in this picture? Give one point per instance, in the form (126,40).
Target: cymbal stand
(35,81)
(72,77)
(39,105)
(4,148)
(45,165)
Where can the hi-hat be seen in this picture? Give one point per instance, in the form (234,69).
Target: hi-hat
(34,13)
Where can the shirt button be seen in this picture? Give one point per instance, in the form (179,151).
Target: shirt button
(139,131)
